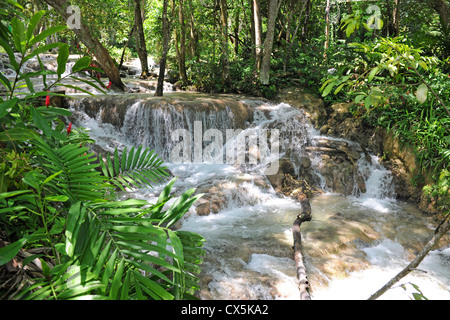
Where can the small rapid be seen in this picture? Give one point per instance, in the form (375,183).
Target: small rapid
(354,244)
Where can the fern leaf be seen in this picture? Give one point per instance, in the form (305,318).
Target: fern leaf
(130,159)
(118,249)
(138,168)
(79,179)
(124,160)
(116,162)
(136,157)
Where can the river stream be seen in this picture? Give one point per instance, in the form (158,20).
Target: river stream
(353,245)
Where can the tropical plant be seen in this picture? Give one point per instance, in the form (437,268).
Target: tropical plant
(404,91)
(65,204)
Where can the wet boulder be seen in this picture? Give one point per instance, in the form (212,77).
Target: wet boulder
(311,104)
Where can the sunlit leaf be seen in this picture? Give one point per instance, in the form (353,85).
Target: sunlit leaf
(63,55)
(421,93)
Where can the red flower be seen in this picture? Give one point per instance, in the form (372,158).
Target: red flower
(109,85)
(69,128)
(98,76)
(47,100)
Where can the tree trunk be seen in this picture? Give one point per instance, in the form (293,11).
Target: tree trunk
(237,13)
(252,27)
(98,50)
(268,42)
(441,230)
(327,28)
(289,41)
(162,62)
(307,19)
(396,18)
(126,46)
(193,43)
(224,40)
(288,35)
(392,16)
(303,283)
(258,33)
(389,19)
(141,47)
(182,52)
(444,14)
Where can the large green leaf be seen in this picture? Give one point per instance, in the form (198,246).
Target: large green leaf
(10,52)
(46,33)
(41,122)
(328,89)
(81,64)
(33,23)
(5,107)
(373,73)
(19,35)
(421,93)
(8,252)
(79,180)
(42,49)
(63,55)
(5,81)
(17,134)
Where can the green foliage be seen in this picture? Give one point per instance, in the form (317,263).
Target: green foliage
(395,86)
(56,194)
(110,244)
(14,165)
(440,191)
(418,295)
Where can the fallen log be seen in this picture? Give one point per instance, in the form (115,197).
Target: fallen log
(303,283)
(323,149)
(440,231)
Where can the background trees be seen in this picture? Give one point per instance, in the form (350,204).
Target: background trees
(245,45)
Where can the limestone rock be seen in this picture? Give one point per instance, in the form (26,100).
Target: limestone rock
(311,104)
(305,162)
(339,173)
(203,207)
(340,112)
(285,166)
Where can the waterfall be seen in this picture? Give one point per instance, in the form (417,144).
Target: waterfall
(362,237)
(153,127)
(380,194)
(378,179)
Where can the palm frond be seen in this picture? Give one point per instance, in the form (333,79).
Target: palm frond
(121,252)
(78,178)
(136,167)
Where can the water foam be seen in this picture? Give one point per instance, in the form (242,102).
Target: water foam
(388,258)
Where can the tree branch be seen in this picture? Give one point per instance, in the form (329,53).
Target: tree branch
(303,283)
(440,231)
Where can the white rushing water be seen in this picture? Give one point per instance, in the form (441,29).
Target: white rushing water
(249,240)
(387,259)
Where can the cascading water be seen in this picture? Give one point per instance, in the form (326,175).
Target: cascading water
(380,194)
(353,245)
